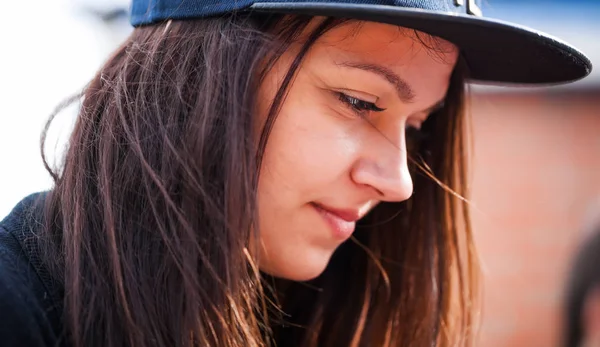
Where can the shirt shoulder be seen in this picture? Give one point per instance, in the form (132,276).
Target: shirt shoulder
(27,317)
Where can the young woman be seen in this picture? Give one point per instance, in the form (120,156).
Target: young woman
(261,174)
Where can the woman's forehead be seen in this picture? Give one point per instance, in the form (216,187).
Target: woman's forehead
(390,43)
(424,62)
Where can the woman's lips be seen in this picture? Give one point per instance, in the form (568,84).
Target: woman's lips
(341,221)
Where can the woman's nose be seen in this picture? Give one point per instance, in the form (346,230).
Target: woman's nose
(384,168)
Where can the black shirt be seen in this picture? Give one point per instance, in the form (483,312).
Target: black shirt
(30,303)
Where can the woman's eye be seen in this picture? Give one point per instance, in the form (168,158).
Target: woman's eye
(357,105)
(414,138)
(414,132)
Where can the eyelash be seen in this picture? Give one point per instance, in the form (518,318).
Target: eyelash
(359,106)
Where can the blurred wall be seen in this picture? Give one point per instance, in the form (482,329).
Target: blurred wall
(536,180)
(536,188)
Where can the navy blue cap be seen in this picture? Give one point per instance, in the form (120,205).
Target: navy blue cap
(495,51)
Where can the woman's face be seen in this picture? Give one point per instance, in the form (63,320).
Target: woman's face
(337,148)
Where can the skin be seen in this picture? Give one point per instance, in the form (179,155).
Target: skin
(324,152)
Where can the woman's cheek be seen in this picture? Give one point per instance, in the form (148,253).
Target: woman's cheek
(318,143)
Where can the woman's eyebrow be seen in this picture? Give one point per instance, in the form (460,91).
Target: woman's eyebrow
(403,89)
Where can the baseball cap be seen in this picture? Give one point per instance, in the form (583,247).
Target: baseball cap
(495,51)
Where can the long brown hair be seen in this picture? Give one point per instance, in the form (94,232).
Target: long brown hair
(148,225)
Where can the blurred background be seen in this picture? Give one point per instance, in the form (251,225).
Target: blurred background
(536,164)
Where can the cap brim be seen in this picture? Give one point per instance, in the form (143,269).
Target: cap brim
(496,52)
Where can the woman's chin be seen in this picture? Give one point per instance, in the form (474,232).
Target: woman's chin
(298,270)
(302,276)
